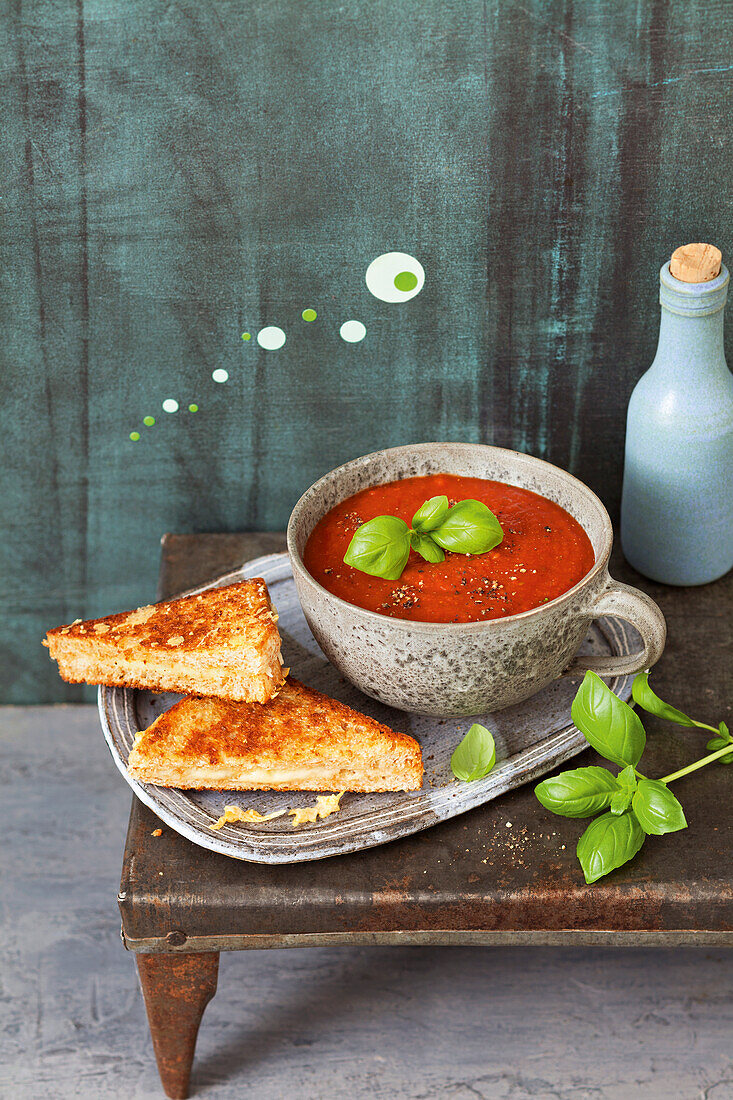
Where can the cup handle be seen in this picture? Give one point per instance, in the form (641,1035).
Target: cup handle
(636,608)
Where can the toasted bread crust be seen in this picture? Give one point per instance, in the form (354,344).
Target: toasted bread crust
(220,642)
(301,740)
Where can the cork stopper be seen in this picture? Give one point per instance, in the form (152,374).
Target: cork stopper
(696,263)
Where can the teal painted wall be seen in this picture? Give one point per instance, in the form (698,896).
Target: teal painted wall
(176,174)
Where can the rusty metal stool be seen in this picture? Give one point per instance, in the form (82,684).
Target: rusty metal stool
(476,879)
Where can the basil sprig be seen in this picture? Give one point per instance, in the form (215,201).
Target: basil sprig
(636,806)
(381,546)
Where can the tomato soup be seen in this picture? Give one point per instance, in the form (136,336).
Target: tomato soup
(544,553)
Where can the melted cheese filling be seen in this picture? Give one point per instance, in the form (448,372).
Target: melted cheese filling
(262,776)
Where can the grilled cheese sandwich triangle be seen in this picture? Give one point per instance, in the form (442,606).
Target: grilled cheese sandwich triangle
(222,642)
(299,741)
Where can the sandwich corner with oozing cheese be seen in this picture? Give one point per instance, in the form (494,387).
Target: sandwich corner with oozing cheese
(223,642)
(299,741)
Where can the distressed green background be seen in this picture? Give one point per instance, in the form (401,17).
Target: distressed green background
(176,173)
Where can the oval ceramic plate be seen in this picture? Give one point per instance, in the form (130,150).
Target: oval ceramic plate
(531,738)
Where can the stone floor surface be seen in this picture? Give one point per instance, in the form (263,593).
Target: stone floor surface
(316,1024)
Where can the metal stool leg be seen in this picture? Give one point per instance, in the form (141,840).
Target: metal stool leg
(177,989)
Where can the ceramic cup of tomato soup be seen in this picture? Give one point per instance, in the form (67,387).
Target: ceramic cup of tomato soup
(470,633)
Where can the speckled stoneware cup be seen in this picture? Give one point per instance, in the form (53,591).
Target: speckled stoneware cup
(449,669)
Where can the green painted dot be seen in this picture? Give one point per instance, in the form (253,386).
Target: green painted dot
(134,436)
(193,408)
(148,421)
(246,335)
(309,315)
(405,280)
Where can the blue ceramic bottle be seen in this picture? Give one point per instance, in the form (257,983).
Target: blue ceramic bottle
(677,507)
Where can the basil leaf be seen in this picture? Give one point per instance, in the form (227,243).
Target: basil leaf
(607,723)
(431,514)
(469,528)
(627,778)
(719,743)
(621,799)
(380,547)
(475,756)
(425,546)
(645,698)
(608,843)
(724,731)
(656,808)
(578,793)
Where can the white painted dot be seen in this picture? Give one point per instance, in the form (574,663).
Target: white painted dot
(170,406)
(352,332)
(271,338)
(220,375)
(395,277)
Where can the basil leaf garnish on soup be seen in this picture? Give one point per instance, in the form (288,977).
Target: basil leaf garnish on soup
(431,514)
(381,546)
(470,527)
(424,545)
